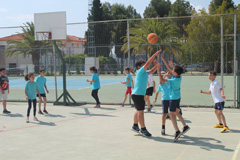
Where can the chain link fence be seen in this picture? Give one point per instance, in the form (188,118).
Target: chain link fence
(191,42)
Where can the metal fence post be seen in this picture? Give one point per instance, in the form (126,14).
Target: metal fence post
(191,59)
(128,36)
(235,57)
(222,54)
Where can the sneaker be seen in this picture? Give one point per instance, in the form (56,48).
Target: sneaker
(151,106)
(27,121)
(40,112)
(225,129)
(149,110)
(135,129)
(133,105)
(97,106)
(6,111)
(145,133)
(218,126)
(35,119)
(45,111)
(177,135)
(121,104)
(185,129)
(163,132)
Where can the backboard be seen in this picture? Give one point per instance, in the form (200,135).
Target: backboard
(52,24)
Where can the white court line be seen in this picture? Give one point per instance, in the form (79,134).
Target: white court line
(236,151)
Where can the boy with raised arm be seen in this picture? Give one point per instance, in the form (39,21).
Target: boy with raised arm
(175,97)
(139,92)
(219,99)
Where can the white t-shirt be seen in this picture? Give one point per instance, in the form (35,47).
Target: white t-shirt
(215,91)
(150,81)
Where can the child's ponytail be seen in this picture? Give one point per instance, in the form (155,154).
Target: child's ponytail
(27,76)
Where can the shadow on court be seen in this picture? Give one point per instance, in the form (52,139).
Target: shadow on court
(203,142)
(110,109)
(44,123)
(12,115)
(54,115)
(87,113)
(234,131)
(102,115)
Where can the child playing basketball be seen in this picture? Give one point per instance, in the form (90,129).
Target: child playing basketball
(175,97)
(150,90)
(41,81)
(4,89)
(219,100)
(129,83)
(95,85)
(31,89)
(139,92)
(165,89)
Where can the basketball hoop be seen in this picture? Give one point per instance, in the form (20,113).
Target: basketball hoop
(43,36)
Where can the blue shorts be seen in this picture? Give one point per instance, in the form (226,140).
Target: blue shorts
(174,104)
(165,106)
(219,106)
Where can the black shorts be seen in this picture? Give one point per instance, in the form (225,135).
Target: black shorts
(219,106)
(42,95)
(165,106)
(139,102)
(149,91)
(174,104)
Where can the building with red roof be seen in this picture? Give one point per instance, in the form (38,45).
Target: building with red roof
(71,45)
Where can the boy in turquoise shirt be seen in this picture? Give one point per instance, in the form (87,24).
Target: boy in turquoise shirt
(139,92)
(175,96)
(165,89)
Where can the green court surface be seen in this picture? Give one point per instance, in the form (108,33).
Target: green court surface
(85,133)
(112,91)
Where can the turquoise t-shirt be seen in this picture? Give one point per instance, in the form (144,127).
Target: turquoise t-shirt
(165,89)
(129,84)
(96,84)
(31,88)
(141,82)
(175,87)
(41,81)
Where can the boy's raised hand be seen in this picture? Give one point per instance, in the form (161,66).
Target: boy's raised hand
(155,62)
(158,52)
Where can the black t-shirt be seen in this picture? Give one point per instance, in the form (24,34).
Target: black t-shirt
(4,82)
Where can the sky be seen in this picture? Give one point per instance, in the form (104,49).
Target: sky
(15,12)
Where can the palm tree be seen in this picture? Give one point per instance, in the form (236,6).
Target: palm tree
(27,46)
(167,37)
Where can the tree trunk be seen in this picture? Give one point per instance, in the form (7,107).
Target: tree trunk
(35,60)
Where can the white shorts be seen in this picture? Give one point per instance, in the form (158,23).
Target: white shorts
(4,96)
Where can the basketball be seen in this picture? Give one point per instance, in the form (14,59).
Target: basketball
(152,38)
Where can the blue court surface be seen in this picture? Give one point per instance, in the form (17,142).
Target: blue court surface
(72,83)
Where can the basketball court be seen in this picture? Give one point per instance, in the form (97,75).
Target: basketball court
(88,133)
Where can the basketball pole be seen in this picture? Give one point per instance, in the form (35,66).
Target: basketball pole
(67,98)
(128,36)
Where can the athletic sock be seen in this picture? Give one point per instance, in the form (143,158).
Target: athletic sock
(135,125)
(220,123)
(163,126)
(143,129)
